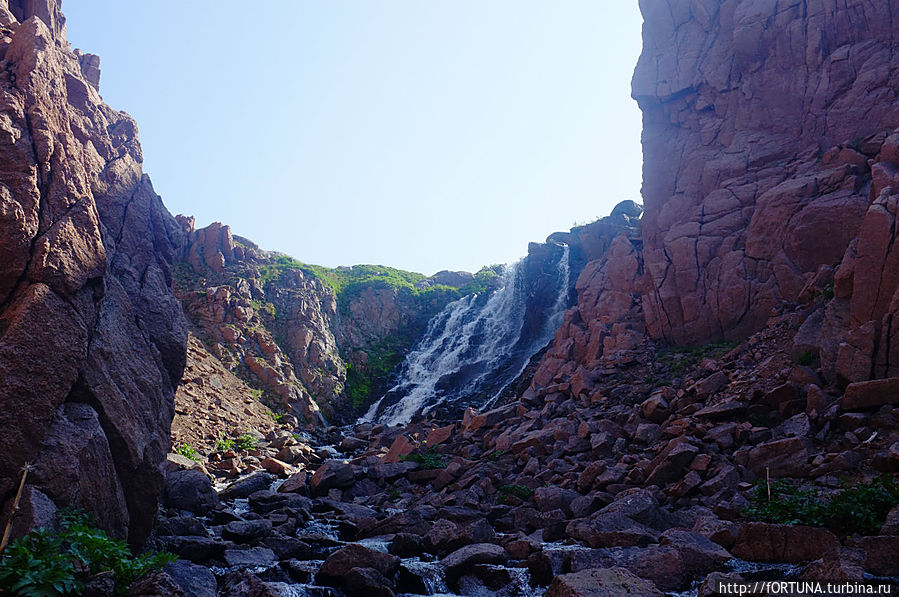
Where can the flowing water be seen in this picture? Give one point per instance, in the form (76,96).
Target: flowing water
(479,344)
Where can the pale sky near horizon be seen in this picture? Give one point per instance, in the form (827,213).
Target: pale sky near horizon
(422,135)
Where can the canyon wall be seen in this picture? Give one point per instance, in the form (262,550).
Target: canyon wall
(759,121)
(92,340)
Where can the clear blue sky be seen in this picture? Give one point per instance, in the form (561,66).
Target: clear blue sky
(426,135)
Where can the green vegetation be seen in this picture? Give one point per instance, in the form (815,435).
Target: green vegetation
(277,417)
(258,394)
(495,455)
(680,360)
(188,451)
(859,509)
(395,494)
(806,358)
(46,563)
(522,492)
(223,444)
(246,442)
(262,307)
(428,459)
(826,292)
(383,356)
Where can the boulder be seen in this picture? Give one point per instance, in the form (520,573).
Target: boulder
(870,394)
(762,542)
(189,490)
(338,564)
(601,582)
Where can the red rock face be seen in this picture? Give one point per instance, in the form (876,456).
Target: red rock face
(759,120)
(92,341)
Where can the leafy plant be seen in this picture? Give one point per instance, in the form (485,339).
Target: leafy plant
(223,444)
(429,459)
(257,393)
(277,417)
(859,509)
(246,442)
(46,563)
(188,451)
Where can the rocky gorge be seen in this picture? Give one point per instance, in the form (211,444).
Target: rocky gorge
(717,399)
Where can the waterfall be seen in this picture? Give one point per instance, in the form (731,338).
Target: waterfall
(479,344)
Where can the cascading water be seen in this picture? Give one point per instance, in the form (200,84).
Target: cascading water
(479,344)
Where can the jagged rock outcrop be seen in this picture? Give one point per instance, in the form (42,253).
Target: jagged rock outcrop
(760,119)
(313,346)
(605,326)
(91,338)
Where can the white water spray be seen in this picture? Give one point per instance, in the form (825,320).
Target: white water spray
(474,348)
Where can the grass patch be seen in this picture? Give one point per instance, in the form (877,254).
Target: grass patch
(858,509)
(47,562)
(522,492)
(680,360)
(429,459)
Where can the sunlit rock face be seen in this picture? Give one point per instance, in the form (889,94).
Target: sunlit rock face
(760,119)
(92,341)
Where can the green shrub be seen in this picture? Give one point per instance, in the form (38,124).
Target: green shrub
(46,563)
(246,442)
(277,417)
(223,444)
(428,459)
(522,492)
(188,451)
(859,509)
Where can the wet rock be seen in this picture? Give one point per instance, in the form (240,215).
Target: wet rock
(295,483)
(367,581)
(601,582)
(258,481)
(246,531)
(456,563)
(266,500)
(287,547)
(196,549)
(446,536)
(156,584)
(406,545)
(242,583)
(194,580)
(338,564)
(250,558)
(332,474)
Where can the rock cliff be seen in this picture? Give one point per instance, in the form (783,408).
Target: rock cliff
(92,340)
(759,122)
